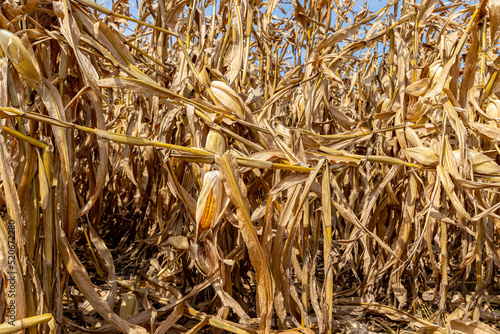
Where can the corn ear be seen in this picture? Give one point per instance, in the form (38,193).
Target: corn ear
(382,104)
(423,155)
(209,203)
(215,142)
(412,138)
(418,110)
(435,71)
(13,48)
(493,110)
(481,163)
(204,78)
(418,88)
(228,99)
(178,242)
(128,306)
(487,168)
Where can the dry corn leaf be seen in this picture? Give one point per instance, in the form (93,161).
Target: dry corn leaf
(236,191)
(171,320)
(53,103)
(481,163)
(485,130)
(179,242)
(388,311)
(107,257)
(287,183)
(12,237)
(236,47)
(472,327)
(448,185)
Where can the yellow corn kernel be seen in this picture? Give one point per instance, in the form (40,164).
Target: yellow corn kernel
(208,211)
(209,203)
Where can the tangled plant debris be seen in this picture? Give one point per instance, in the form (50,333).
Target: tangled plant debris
(249,166)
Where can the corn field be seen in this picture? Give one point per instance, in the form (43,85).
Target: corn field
(249,166)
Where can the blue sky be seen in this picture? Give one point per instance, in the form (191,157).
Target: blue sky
(373,5)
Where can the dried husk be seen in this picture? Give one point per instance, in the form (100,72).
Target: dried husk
(228,99)
(12,47)
(216,142)
(418,88)
(423,155)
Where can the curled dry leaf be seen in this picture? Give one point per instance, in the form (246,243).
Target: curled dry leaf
(236,191)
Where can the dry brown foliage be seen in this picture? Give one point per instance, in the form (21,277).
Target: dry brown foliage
(249,167)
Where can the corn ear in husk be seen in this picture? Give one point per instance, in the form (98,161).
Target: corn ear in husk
(435,71)
(215,142)
(493,110)
(178,242)
(128,306)
(481,163)
(204,255)
(209,203)
(418,88)
(13,48)
(423,155)
(228,99)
